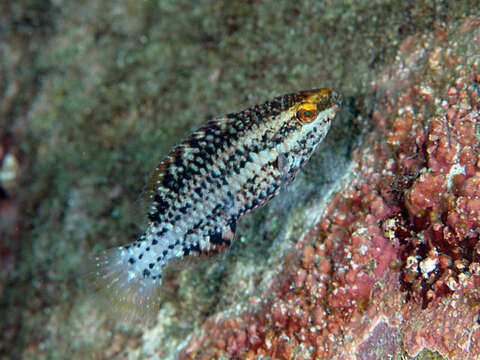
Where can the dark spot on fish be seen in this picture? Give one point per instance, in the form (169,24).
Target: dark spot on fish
(162,232)
(216,238)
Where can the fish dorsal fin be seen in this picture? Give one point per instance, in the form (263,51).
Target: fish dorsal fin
(156,178)
(214,125)
(155,191)
(164,179)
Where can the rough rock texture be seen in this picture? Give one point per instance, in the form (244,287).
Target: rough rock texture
(393,266)
(372,252)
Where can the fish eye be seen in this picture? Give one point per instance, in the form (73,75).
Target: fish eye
(307,112)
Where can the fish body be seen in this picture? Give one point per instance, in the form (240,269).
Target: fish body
(231,165)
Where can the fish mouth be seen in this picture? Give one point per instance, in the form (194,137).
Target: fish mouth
(336,104)
(337,99)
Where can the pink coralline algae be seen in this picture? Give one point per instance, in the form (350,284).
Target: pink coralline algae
(393,267)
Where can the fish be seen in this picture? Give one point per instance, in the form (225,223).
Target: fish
(229,166)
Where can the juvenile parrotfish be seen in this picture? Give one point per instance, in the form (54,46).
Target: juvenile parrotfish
(231,165)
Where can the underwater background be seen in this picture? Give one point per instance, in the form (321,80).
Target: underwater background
(372,253)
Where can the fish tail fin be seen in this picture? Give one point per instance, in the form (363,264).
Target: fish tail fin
(130,296)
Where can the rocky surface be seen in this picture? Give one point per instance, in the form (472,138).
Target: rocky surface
(373,253)
(393,266)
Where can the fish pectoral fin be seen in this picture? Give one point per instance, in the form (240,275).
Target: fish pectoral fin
(283,165)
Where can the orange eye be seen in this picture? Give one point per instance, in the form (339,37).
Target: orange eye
(307,112)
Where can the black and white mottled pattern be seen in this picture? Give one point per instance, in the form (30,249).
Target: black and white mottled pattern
(228,167)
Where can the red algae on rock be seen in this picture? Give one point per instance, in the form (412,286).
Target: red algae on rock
(393,267)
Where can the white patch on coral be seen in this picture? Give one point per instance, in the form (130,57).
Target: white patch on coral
(428,265)
(456,169)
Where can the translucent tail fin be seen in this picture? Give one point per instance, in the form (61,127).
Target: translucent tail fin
(131,296)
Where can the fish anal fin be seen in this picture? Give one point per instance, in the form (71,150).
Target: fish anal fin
(221,240)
